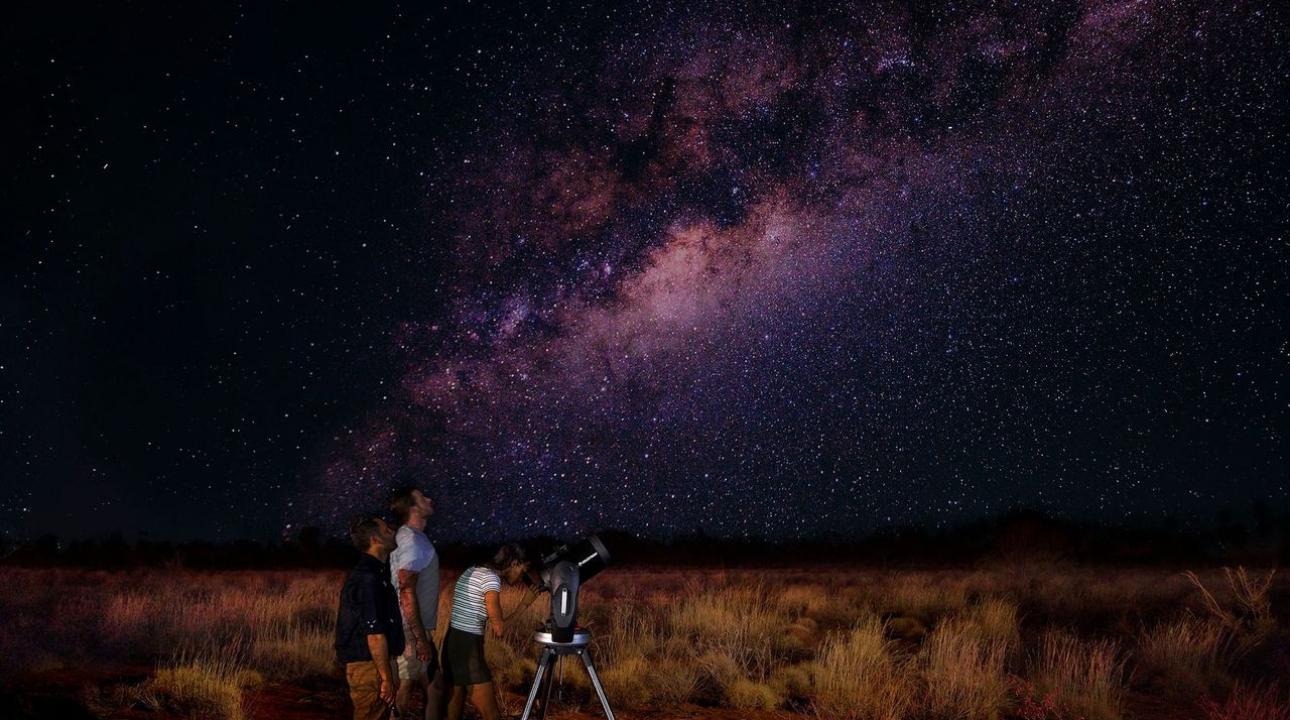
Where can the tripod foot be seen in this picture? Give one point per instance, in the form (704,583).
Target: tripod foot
(543,666)
(595,682)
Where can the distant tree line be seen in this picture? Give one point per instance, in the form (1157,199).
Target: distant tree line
(1262,538)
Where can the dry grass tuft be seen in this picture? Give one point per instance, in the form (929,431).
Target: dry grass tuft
(994,620)
(857,677)
(628,682)
(793,682)
(1246,615)
(201,687)
(964,673)
(797,600)
(1250,703)
(294,652)
(1186,657)
(1086,677)
(747,694)
(717,671)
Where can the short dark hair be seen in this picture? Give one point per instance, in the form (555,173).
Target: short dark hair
(362,529)
(507,555)
(401,503)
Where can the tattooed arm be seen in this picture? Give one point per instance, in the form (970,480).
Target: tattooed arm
(410,608)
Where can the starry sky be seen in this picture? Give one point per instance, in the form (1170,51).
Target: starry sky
(783,269)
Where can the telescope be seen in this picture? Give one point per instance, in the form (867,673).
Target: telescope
(563,573)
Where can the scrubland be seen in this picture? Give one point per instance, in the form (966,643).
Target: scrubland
(1030,642)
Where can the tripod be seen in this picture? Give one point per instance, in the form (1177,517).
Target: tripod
(554,652)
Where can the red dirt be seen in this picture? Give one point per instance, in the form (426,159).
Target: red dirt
(57,694)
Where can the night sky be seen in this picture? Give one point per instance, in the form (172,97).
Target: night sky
(781,269)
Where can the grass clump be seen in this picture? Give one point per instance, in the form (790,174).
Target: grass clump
(746,694)
(964,673)
(209,688)
(857,677)
(1086,677)
(1185,657)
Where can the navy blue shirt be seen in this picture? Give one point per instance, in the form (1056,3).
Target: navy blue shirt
(368,606)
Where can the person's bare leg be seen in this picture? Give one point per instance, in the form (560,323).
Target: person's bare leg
(402,695)
(456,702)
(436,697)
(485,701)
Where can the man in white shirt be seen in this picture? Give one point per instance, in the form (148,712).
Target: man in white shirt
(414,569)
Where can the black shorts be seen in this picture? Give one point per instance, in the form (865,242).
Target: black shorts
(463,658)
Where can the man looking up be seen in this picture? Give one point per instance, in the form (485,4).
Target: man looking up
(414,567)
(368,628)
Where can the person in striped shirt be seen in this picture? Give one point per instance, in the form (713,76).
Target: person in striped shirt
(477,608)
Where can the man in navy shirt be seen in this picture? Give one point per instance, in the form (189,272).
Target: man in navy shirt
(369,629)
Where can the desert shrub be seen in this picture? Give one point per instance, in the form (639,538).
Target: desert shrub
(994,620)
(717,671)
(1188,656)
(1249,703)
(294,652)
(794,642)
(793,682)
(964,673)
(628,682)
(633,632)
(130,620)
(1087,677)
(804,599)
(857,678)
(724,618)
(907,628)
(1244,611)
(202,687)
(746,694)
(1029,703)
(844,607)
(922,596)
(673,681)
(733,624)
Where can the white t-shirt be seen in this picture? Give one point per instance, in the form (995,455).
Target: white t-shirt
(414,552)
(469,614)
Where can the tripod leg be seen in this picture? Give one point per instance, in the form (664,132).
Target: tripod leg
(595,682)
(550,683)
(537,682)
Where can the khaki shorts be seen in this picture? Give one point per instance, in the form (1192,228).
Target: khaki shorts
(410,666)
(365,691)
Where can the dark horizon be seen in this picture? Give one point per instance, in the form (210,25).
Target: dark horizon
(776,270)
(1255,538)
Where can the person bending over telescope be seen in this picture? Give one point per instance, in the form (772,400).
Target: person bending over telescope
(477,608)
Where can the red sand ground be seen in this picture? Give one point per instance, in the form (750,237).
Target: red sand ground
(55,694)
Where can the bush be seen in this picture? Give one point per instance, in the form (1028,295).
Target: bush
(1087,677)
(856,677)
(747,694)
(964,673)
(202,688)
(1187,657)
(1249,703)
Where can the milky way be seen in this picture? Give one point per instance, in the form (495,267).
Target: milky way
(800,272)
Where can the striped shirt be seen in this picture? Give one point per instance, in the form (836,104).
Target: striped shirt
(469,613)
